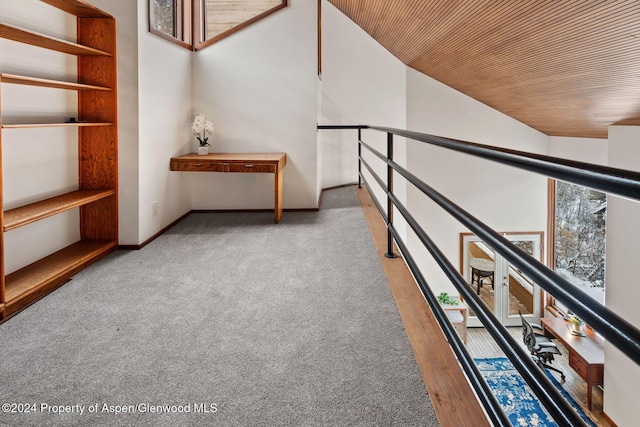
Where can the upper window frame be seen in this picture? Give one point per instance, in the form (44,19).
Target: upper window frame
(183,24)
(190,24)
(200,18)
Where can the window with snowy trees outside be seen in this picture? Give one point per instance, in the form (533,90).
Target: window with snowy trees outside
(581,214)
(171,20)
(164,12)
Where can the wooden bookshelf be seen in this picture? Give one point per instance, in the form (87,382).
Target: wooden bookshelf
(47,42)
(55,84)
(97,194)
(36,280)
(33,212)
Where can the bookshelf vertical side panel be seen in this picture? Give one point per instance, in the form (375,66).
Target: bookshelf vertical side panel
(99,220)
(98,165)
(2,252)
(98,146)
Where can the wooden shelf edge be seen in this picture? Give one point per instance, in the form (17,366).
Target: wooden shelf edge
(23,215)
(48,125)
(35,81)
(33,38)
(38,279)
(78,8)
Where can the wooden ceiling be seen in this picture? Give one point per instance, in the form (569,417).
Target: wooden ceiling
(564,67)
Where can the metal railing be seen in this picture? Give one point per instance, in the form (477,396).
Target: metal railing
(611,326)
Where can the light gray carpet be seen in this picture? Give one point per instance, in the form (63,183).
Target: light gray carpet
(289,324)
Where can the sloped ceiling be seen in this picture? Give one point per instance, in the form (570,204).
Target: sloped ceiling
(564,67)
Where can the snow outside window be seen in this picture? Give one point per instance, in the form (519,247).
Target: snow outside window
(581,215)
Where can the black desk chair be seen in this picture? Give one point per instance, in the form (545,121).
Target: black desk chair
(540,347)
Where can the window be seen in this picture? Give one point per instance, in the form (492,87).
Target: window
(195,24)
(164,12)
(580,217)
(221,18)
(171,20)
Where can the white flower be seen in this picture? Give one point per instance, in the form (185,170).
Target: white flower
(200,127)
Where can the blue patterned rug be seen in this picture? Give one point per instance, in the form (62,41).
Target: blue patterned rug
(516,398)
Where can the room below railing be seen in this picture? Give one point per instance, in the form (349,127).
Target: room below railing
(615,329)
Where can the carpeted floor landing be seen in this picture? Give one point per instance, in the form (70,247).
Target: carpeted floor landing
(224,320)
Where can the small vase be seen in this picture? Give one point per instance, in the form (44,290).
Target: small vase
(577,329)
(203,150)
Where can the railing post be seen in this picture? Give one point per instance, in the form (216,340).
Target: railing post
(390,253)
(359,156)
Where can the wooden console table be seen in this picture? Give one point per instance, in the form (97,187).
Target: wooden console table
(237,162)
(586,353)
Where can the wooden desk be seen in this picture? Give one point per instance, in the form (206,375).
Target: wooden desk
(237,162)
(586,354)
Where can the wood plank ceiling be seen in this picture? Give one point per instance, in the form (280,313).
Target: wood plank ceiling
(564,67)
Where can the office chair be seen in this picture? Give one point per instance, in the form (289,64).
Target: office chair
(540,347)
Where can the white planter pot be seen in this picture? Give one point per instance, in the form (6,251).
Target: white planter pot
(203,150)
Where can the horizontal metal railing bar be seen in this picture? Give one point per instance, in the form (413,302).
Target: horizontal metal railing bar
(610,180)
(549,396)
(483,392)
(373,151)
(604,178)
(614,328)
(342,127)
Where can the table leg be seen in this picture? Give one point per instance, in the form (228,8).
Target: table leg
(589,388)
(278,196)
(475,277)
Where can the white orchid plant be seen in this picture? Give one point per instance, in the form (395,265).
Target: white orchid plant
(200,127)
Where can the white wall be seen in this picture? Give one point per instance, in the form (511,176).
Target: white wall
(164,91)
(362,83)
(259,88)
(505,198)
(126,14)
(621,375)
(589,150)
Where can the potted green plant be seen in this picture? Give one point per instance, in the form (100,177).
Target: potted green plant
(576,323)
(444,299)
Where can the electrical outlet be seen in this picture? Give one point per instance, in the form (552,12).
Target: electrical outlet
(154,208)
